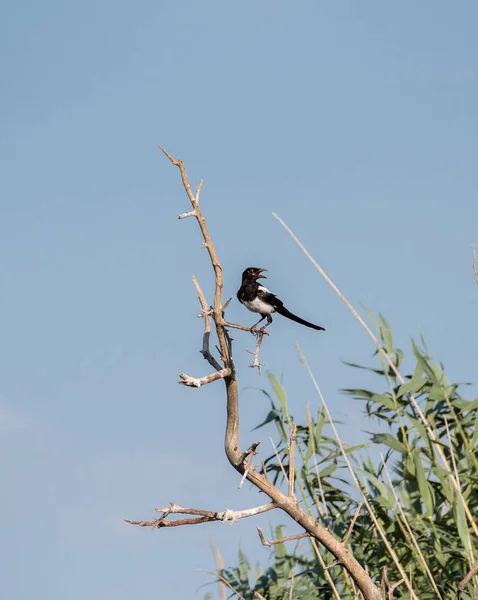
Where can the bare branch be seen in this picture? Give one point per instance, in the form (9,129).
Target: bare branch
(185,215)
(218,318)
(156,524)
(198,191)
(199,516)
(195,382)
(256,364)
(206,314)
(465,581)
(226,304)
(293,430)
(347,535)
(289,538)
(254,330)
(251,450)
(392,589)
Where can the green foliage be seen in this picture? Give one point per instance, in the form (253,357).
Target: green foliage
(441,547)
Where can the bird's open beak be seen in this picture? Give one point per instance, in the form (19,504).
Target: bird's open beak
(258,274)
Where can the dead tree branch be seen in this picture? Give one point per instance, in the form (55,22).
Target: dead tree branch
(254,330)
(206,315)
(465,581)
(256,364)
(198,516)
(198,382)
(392,589)
(288,538)
(232,440)
(349,531)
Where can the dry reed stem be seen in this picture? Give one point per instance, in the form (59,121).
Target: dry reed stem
(288,538)
(465,581)
(359,486)
(436,442)
(232,439)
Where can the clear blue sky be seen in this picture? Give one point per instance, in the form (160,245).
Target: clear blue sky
(355,121)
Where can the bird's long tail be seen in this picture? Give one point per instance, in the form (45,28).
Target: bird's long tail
(285,313)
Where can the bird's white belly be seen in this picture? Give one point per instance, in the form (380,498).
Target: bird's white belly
(259,306)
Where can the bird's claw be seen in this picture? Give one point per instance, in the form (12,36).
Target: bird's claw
(262,330)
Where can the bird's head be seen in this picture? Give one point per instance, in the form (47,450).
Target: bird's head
(254,273)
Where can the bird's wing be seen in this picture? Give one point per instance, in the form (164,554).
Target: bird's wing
(267,296)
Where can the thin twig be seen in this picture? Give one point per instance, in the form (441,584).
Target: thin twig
(253,330)
(191,213)
(279,460)
(232,438)
(293,430)
(455,470)
(219,566)
(251,450)
(206,314)
(198,191)
(413,401)
(219,284)
(354,477)
(281,540)
(392,589)
(465,581)
(198,382)
(352,523)
(410,532)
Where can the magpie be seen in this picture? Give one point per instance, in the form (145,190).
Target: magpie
(259,299)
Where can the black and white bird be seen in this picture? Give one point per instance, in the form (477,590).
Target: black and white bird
(259,299)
